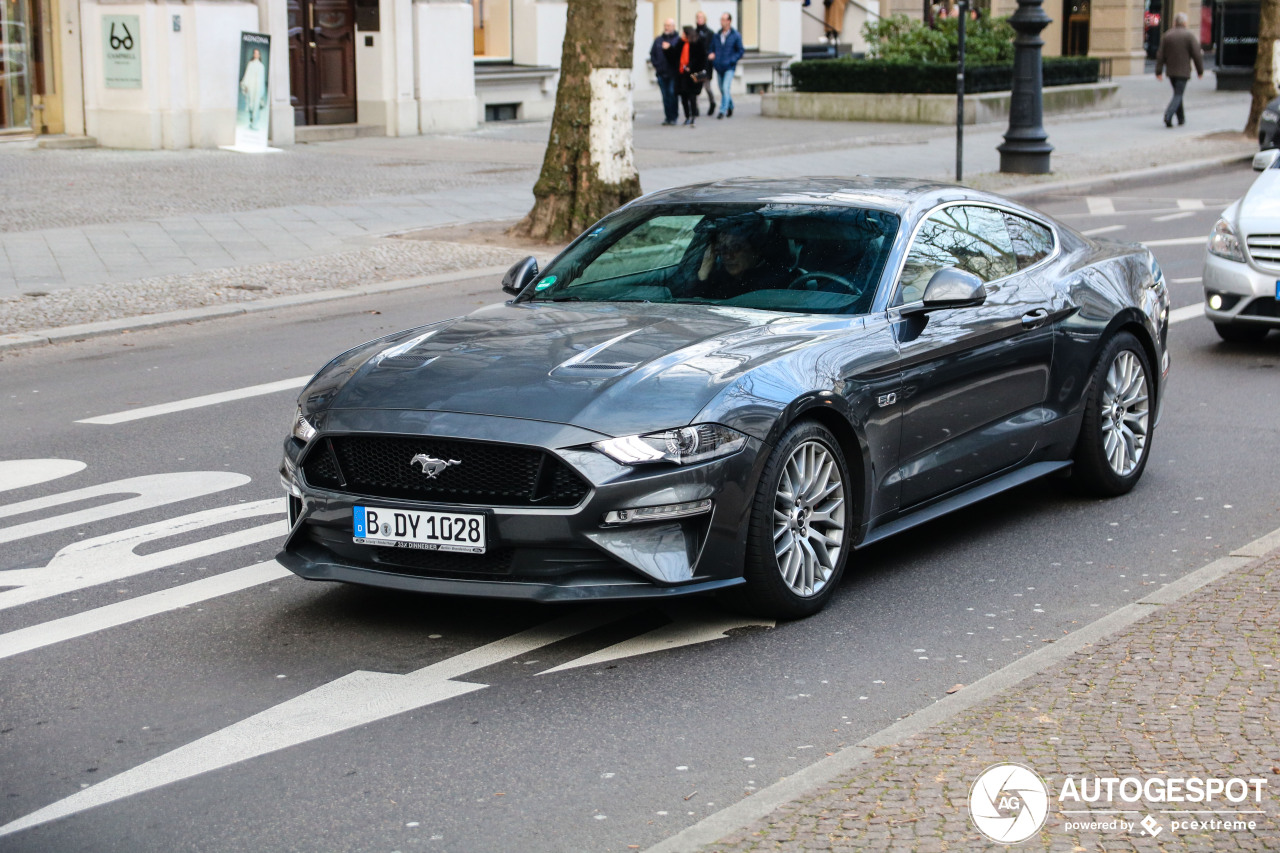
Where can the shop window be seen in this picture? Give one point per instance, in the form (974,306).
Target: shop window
(16,65)
(491,22)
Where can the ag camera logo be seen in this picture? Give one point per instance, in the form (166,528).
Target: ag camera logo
(1008,803)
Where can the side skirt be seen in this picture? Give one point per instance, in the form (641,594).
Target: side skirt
(970,496)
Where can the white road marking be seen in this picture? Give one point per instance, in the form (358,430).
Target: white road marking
(111,557)
(353,700)
(198,402)
(1169,217)
(151,491)
(124,612)
(1191,204)
(686,631)
(1186,312)
(1178,241)
(1191,280)
(20,473)
(1100,206)
(1106,229)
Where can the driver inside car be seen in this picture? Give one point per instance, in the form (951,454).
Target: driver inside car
(736,262)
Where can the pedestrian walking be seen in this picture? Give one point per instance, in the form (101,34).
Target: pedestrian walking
(726,46)
(665,57)
(693,73)
(1179,48)
(704,35)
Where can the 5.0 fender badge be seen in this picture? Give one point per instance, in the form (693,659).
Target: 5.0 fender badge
(432,466)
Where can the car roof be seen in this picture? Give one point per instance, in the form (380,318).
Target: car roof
(894,194)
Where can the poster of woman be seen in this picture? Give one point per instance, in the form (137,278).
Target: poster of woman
(252,106)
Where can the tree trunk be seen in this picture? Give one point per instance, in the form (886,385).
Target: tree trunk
(1264,69)
(589,168)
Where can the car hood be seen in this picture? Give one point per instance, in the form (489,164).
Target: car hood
(1259,211)
(616,369)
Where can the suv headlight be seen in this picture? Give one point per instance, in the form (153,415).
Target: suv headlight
(1224,243)
(302,428)
(683,445)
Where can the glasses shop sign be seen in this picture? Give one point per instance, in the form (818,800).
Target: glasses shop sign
(121,52)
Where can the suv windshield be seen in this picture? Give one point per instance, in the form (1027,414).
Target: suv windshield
(824,259)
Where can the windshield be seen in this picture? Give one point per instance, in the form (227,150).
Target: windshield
(776,257)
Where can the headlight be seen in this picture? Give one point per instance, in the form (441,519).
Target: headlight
(683,446)
(1224,243)
(1270,115)
(302,428)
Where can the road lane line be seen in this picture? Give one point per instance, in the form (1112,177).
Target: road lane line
(689,629)
(1186,312)
(1191,280)
(108,558)
(198,402)
(20,473)
(1106,229)
(149,492)
(356,699)
(1191,204)
(1178,241)
(1100,206)
(124,612)
(1172,216)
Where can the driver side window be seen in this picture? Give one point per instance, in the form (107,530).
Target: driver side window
(968,237)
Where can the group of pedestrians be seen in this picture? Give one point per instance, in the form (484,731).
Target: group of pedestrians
(689,61)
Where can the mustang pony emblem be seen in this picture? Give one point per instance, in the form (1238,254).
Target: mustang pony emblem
(432,466)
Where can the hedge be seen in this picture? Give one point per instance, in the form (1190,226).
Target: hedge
(936,78)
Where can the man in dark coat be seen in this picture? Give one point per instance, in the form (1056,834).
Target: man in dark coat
(1178,49)
(704,36)
(665,56)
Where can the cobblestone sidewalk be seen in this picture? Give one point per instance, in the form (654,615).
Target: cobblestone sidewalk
(1192,690)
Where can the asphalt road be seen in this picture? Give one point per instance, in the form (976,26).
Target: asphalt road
(167,690)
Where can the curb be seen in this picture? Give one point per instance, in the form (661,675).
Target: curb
(42,337)
(83,331)
(764,802)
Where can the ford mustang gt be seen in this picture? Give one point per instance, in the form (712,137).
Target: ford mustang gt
(730,387)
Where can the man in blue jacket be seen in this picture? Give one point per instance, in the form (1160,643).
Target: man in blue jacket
(727,47)
(665,56)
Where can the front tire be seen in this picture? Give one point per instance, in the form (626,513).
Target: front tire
(1240,334)
(800,531)
(1115,438)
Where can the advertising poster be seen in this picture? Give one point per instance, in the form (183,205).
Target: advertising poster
(121,52)
(254,96)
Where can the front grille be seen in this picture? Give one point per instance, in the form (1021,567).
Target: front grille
(1265,249)
(411,561)
(486,474)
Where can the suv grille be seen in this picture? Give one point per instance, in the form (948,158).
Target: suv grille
(488,474)
(1265,249)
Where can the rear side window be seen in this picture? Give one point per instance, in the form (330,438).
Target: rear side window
(1032,242)
(971,238)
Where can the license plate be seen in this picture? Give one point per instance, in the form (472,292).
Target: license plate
(426,530)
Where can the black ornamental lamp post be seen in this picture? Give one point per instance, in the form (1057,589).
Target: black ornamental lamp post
(1026,145)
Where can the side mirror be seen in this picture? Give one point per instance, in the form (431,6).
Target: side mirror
(1264,160)
(949,287)
(521,273)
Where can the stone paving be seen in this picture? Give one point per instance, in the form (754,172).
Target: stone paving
(1191,690)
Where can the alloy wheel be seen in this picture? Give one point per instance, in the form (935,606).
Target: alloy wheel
(809,519)
(1125,413)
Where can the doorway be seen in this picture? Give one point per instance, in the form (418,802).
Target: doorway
(322,61)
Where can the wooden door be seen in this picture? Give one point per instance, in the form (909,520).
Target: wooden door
(322,61)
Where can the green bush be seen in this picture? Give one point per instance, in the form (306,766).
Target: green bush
(988,41)
(937,78)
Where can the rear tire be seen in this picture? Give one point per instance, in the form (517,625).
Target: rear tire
(800,532)
(1238,333)
(1115,438)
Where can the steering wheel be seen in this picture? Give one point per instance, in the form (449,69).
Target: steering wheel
(815,280)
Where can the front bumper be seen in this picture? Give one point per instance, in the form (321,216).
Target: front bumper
(1248,294)
(535,553)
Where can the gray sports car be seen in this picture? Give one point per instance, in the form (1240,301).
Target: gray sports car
(730,387)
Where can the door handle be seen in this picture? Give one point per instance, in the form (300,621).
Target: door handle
(1035,319)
